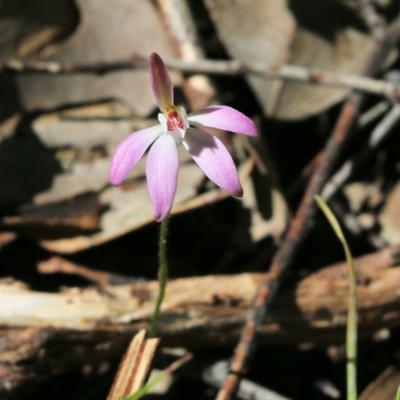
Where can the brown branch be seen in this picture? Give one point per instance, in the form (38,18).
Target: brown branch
(216,67)
(296,233)
(302,221)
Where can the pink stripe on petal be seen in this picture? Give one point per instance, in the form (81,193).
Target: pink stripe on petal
(226,118)
(214,159)
(161,82)
(130,151)
(162,175)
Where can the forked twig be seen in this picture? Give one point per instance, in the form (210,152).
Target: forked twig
(297,231)
(302,221)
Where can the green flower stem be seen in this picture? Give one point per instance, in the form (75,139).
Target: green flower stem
(162,274)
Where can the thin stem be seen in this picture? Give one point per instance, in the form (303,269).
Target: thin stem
(162,274)
(351,333)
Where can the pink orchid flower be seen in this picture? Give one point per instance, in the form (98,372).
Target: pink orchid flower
(176,127)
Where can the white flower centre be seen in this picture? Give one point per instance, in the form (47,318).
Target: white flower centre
(174,122)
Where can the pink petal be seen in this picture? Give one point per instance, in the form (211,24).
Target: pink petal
(161,82)
(162,175)
(130,151)
(226,118)
(214,159)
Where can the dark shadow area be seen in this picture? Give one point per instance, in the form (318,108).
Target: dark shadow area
(325,18)
(62,15)
(27,167)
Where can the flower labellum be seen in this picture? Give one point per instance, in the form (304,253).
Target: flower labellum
(176,127)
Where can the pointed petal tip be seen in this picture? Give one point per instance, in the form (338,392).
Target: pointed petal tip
(160,211)
(251,129)
(255,132)
(160,217)
(214,160)
(238,193)
(113,176)
(154,57)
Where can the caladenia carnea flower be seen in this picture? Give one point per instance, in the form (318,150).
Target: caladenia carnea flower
(175,128)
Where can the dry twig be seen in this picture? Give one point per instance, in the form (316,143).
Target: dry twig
(350,166)
(215,375)
(371,18)
(234,68)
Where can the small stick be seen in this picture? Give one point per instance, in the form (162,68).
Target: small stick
(216,373)
(371,18)
(345,171)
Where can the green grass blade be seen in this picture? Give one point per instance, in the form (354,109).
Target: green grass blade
(163,374)
(398,393)
(351,334)
(145,388)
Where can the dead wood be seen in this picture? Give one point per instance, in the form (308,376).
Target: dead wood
(134,367)
(48,333)
(384,387)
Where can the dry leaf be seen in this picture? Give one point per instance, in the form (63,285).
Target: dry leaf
(29,28)
(63,219)
(134,367)
(88,127)
(130,208)
(108,32)
(315,34)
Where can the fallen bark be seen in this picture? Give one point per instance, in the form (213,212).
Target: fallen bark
(134,367)
(47,333)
